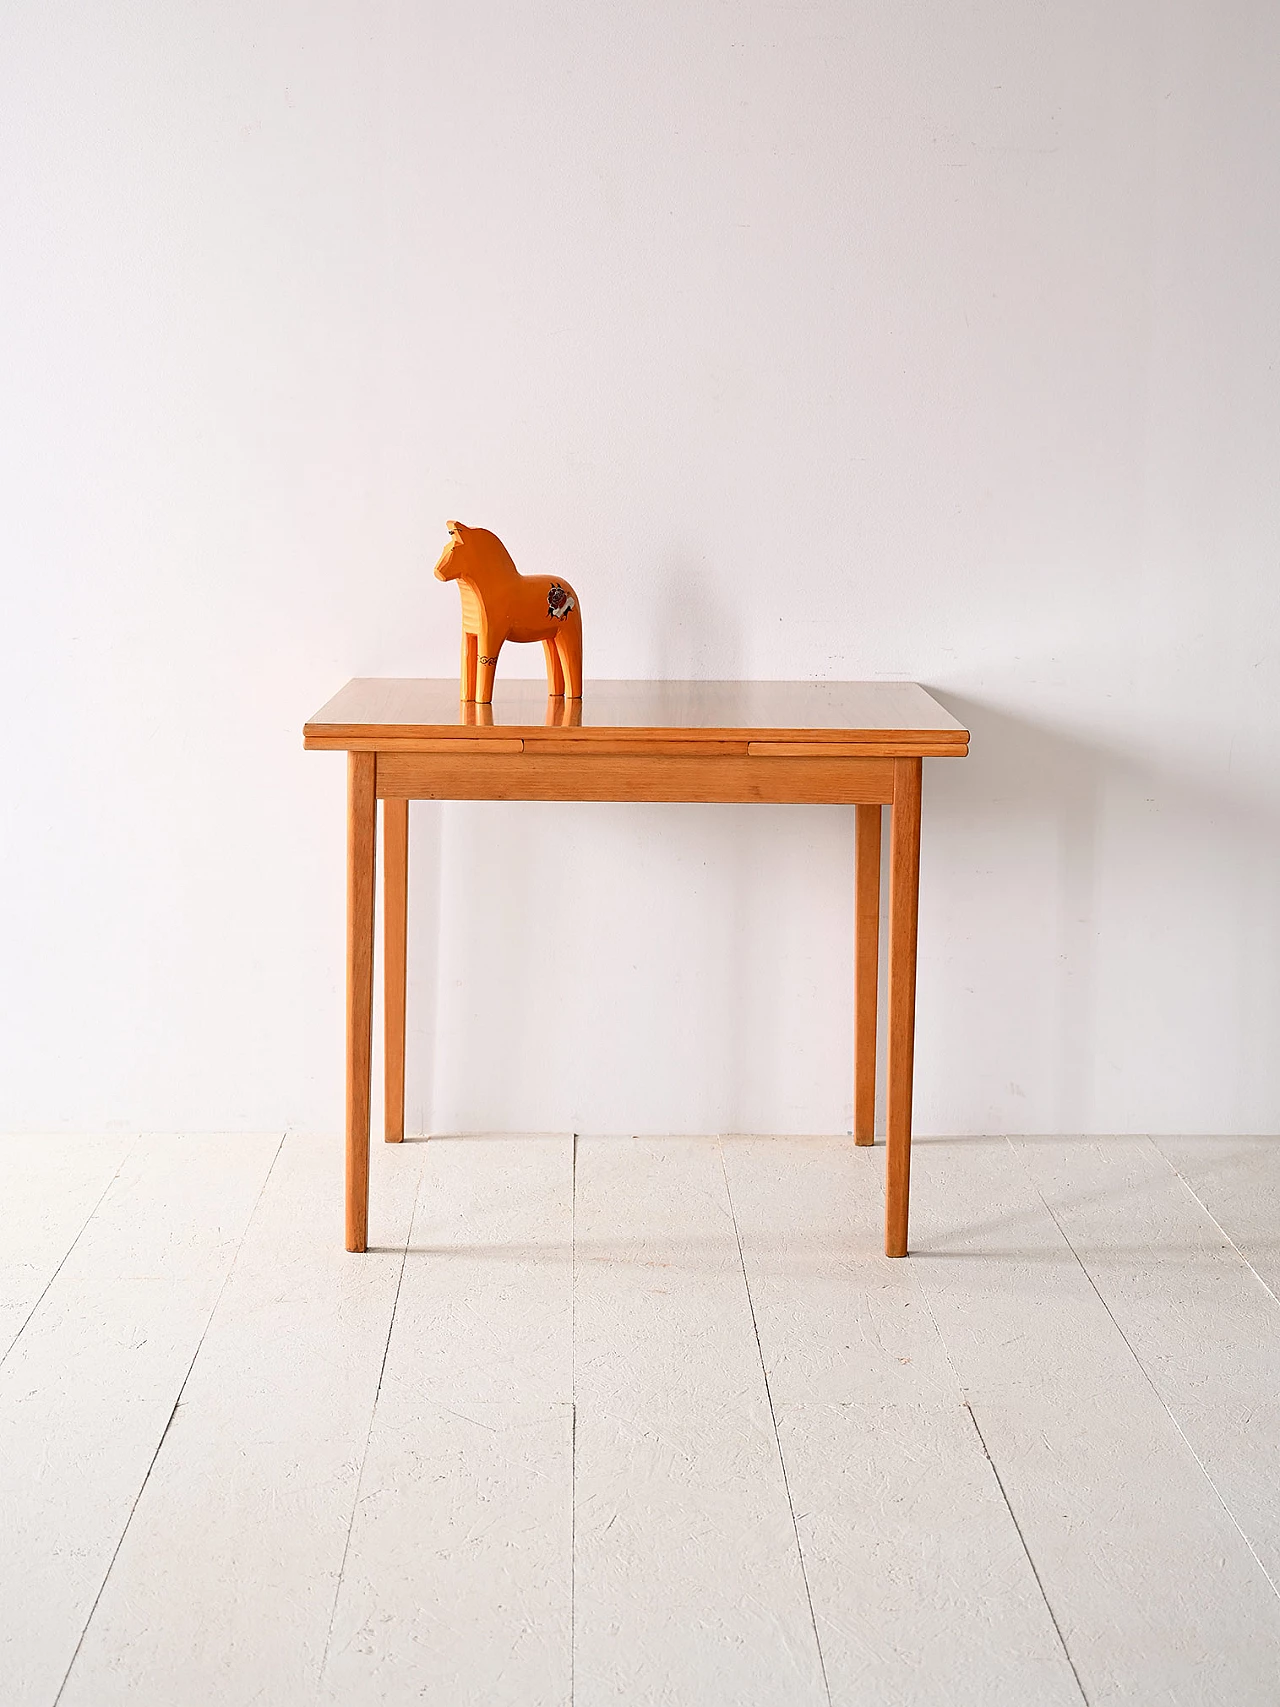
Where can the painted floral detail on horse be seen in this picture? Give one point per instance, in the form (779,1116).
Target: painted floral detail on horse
(559,601)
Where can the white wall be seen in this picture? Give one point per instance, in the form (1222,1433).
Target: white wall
(818,340)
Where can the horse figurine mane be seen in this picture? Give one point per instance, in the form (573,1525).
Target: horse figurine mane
(501,604)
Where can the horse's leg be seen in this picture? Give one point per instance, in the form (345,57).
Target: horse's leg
(486,663)
(469,648)
(569,647)
(555,674)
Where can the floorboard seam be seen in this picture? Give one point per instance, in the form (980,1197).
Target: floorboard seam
(1200,1203)
(1008,1505)
(71,1247)
(1013,1518)
(1147,1377)
(777,1439)
(164,1433)
(373,1411)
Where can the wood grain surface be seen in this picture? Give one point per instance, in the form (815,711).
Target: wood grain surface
(643,777)
(689,1582)
(89,1387)
(656,1424)
(904,902)
(890,716)
(395,928)
(459,1569)
(1154,1585)
(866,970)
(901,1523)
(362,822)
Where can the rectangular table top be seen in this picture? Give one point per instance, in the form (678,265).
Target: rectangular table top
(847,715)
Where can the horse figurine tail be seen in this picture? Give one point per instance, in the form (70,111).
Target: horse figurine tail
(501,604)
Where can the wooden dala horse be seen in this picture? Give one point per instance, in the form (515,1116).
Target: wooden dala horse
(501,604)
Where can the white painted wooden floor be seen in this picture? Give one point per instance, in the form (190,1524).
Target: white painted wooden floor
(639,1421)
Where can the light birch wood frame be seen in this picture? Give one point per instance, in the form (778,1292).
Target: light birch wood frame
(362,833)
(904,897)
(395,929)
(710,771)
(866,971)
(733,778)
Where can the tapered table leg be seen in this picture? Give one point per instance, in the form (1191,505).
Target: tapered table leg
(362,821)
(866,972)
(904,895)
(395,920)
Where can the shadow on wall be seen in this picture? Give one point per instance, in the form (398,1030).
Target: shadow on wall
(1163,920)
(1100,941)
(697,636)
(507,874)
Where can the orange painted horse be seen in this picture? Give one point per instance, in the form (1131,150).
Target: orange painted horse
(501,604)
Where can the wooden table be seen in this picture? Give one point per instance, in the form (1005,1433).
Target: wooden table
(855,744)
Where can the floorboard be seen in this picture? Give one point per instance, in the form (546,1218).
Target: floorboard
(688,1579)
(1204,1328)
(52,1186)
(88,1390)
(458,1581)
(1156,1593)
(224,1586)
(640,1420)
(922,1588)
(1238,1182)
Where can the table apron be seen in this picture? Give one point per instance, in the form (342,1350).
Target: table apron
(721,779)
